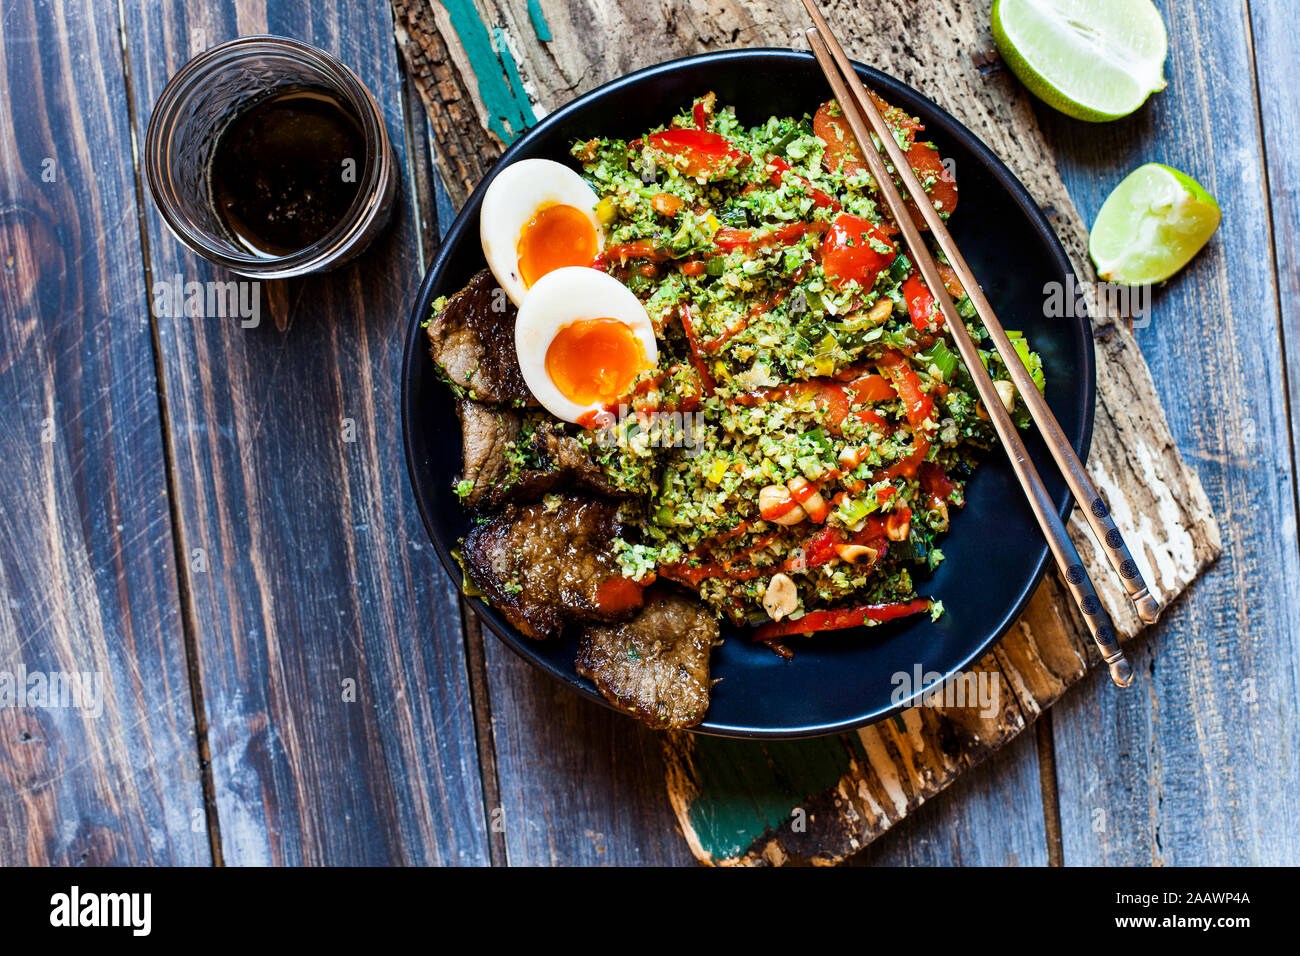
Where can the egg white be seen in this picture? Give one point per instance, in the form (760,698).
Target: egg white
(560,298)
(513,198)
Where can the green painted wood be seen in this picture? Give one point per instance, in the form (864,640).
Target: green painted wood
(1200,766)
(88,580)
(318,569)
(500,89)
(750,787)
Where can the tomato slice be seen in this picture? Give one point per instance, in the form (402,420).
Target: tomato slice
(855,250)
(729,239)
(841,150)
(815,621)
(699,153)
(934,176)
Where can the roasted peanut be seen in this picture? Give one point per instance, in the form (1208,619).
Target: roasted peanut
(856,553)
(898,525)
(880,311)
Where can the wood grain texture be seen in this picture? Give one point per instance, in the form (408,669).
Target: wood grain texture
(778,802)
(318,570)
(87,572)
(991,817)
(579,784)
(1199,767)
(1158,500)
(1276,55)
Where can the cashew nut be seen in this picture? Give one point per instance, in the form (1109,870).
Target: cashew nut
(814,505)
(781,597)
(775,497)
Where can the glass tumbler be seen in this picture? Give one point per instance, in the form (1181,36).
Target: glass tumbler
(201,100)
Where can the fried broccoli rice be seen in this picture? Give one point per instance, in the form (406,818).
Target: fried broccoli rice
(797,450)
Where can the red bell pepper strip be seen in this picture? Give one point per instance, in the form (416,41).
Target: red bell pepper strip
(918,406)
(780,169)
(934,481)
(871,388)
(820,548)
(617,594)
(707,381)
(731,239)
(920,303)
(834,620)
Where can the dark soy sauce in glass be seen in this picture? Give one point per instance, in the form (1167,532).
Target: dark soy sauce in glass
(286,169)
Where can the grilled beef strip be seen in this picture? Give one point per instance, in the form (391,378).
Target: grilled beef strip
(554,459)
(472,340)
(487,433)
(547,564)
(655,665)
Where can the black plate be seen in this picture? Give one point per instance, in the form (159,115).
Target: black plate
(995,554)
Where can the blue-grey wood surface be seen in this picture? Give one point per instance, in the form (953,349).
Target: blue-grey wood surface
(228,737)
(88,580)
(1211,743)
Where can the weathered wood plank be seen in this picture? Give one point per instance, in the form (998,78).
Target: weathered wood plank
(87,563)
(1133,457)
(991,816)
(1276,50)
(289,477)
(579,784)
(1199,767)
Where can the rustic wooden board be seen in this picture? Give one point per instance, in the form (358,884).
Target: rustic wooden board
(318,570)
(483,67)
(87,568)
(1219,675)
(993,817)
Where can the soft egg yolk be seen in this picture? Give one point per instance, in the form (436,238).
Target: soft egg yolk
(556,236)
(594,360)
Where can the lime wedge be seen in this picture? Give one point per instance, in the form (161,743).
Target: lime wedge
(1151,225)
(1095,60)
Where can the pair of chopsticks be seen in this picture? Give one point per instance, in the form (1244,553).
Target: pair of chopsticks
(863,117)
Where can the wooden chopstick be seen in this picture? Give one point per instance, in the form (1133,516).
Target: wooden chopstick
(855,102)
(1094,507)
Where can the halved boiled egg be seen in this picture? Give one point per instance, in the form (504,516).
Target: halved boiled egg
(582,338)
(537,216)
